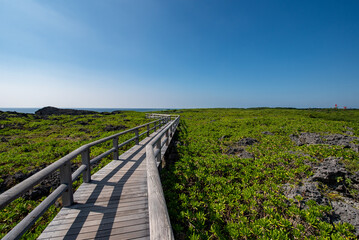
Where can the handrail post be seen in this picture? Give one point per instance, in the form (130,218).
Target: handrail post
(137,137)
(167,137)
(115,145)
(65,178)
(158,145)
(148,130)
(85,157)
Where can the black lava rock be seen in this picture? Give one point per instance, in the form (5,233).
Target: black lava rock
(46,111)
(109,128)
(329,171)
(247,141)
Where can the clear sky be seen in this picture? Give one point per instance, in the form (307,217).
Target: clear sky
(179,54)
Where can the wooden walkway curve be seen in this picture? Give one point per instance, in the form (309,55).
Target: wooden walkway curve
(113,205)
(123,200)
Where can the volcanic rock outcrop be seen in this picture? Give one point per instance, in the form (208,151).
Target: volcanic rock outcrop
(46,111)
(333,139)
(239,148)
(338,180)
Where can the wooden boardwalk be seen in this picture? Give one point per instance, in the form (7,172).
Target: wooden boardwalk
(114,205)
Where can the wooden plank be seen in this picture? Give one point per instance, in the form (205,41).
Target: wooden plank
(118,233)
(113,198)
(139,186)
(61,225)
(107,192)
(126,202)
(117,183)
(101,194)
(142,234)
(84,216)
(125,170)
(102,229)
(121,230)
(142,238)
(116,179)
(102,210)
(75,222)
(123,165)
(102,186)
(122,172)
(98,192)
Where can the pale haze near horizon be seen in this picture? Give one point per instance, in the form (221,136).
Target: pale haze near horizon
(179,54)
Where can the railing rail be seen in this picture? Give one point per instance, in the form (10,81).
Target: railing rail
(159,115)
(66,177)
(160,225)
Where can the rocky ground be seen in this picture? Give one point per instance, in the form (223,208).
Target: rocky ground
(333,139)
(331,185)
(40,190)
(239,148)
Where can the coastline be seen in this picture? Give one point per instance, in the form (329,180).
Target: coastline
(33,110)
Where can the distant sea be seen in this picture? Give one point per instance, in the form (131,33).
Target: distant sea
(33,110)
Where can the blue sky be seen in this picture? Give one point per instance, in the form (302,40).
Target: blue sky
(179,54)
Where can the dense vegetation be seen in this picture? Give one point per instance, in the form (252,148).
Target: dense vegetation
(211,194)
(28,143)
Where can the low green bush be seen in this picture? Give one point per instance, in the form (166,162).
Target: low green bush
(212,195)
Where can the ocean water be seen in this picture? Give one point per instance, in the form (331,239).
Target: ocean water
(33,110)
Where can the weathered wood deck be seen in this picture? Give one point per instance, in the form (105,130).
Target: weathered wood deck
(114,205)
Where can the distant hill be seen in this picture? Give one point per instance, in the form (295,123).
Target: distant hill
(46,111)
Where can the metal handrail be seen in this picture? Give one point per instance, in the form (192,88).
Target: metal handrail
(160,225)
(66,178)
